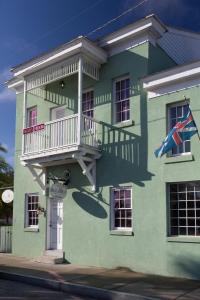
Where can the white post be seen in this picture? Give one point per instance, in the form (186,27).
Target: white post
(24,115)
(80,91)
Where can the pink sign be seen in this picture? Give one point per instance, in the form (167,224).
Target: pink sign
(33,128)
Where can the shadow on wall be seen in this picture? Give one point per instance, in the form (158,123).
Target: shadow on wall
(89,204)
(124,153)
(188,267)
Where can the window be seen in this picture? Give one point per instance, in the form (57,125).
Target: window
(32,201)
(176,112)
(88,103)
(121,208)
(32,116)
(184,203)
(121,99)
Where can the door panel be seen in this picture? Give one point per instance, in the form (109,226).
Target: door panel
(56,223)
(58,113)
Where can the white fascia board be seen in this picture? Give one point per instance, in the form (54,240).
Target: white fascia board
(45,62)
(83,46)
(173,88)
(15,84)
(132,30)
(172,75)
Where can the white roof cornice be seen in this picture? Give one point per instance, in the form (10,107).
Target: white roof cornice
(171,76)
(150,24)
(79,45)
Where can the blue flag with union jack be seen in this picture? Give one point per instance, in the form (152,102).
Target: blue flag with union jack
(182,131)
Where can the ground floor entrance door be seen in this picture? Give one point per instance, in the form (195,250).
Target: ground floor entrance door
(55,223)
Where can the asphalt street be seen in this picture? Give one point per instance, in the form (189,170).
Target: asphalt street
(11,290)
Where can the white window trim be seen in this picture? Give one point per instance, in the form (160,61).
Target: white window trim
(169,105)
(26,211)
(186,236)
(91,89)
(29,109)
(112,216)
(114,99)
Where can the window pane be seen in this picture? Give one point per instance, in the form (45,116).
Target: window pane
(176,113)
(184,208)
(122,204)
(122,105)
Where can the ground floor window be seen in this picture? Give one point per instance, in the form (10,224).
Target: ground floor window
(184,217)
(31,210)
(121,208)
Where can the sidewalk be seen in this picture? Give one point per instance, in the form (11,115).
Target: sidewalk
(99,282)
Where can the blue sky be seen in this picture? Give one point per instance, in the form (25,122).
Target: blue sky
(30,27)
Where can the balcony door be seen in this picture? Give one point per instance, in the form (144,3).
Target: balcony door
(58,112)
(57,129)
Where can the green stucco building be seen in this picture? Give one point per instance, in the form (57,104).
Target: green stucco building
(87,184)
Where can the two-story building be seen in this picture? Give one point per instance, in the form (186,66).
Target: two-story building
(87,184)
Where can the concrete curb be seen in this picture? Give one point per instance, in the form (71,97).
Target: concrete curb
(77,289)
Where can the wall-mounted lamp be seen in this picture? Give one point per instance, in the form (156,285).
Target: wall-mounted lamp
(62,84)
(41,210)
(65,179)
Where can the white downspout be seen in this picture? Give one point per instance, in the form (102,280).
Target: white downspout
(80,91)
(24,115)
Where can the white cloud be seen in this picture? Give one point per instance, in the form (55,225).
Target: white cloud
(6,95)
(5,74)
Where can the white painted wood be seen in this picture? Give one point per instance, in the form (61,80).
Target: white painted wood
(24,113)
(56,224)
(172,88)
(58,112)
(172,76)
(80,93)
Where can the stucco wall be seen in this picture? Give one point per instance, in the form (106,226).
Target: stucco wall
(127,160)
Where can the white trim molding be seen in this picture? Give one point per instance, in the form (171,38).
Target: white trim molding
(172,80)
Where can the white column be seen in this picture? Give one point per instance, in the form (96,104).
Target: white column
(80,91)
(24,114)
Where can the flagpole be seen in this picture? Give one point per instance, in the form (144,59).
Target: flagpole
(185,99)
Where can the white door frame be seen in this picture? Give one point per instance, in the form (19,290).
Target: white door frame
(48,229)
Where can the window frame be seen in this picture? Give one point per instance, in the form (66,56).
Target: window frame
(112,209)
(29,109)
(186,209)
(84,92)
(171,105)
(115,80)
(26,223)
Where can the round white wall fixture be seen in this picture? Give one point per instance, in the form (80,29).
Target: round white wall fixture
(7,196)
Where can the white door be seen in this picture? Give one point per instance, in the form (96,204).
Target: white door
(56,223)
(58,112)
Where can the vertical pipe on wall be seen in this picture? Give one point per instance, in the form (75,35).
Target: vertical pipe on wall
(24,115)
(80,88)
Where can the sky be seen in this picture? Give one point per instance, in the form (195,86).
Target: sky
(31,27)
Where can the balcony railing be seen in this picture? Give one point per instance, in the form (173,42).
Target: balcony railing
(59,134)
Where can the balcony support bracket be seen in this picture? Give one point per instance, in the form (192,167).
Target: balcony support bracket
(39,175)
(88,167)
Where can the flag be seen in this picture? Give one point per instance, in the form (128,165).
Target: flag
(182,131)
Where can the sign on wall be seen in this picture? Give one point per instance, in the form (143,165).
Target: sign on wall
(58,190)
(7,196)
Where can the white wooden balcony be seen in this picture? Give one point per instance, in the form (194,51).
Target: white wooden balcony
(60,136)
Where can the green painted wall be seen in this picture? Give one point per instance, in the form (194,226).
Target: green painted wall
(127,160)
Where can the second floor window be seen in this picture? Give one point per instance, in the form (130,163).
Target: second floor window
(176,113)
(121,99)
(32,116)
(88,103)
